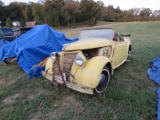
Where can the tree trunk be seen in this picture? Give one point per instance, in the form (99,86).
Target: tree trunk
(58,23)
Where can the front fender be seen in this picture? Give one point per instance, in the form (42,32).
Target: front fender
(89,74)
(49,65)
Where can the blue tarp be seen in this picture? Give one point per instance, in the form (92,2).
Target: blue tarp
(154,74)
(158,92)
(154,71)
(3,42)
(34,46)
(35,71)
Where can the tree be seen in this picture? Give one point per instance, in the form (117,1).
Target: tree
(135,13)
(1,10)
(22,6)
(119,14)
(9,22)
(70,10)
(28,13)
(110,14)
(145,13)
(61,12)
(57,5)
(37,13)
(155,15)
(48,12)
(16,13)
(22,22)
(52,11)
(127,16)
(91,11)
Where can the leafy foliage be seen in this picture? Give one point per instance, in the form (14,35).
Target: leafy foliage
(9,22)
(52,11)
(38,13)
(68,12)
(22,22)
(28,16)
(91,11)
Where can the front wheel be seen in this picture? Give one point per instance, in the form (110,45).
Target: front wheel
(129,53)
(103,81)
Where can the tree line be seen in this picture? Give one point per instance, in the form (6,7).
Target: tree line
(68,12)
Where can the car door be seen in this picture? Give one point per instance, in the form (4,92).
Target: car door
(120,53)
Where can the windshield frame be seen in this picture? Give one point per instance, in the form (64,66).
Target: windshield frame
(92,31)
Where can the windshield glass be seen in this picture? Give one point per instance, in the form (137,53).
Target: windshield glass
(97,33)
(1,32)
(7,31)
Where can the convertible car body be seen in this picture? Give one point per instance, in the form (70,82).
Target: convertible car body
(87,64)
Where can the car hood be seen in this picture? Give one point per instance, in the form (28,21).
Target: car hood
(87,44)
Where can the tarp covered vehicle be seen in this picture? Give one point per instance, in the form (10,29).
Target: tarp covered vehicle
(3,42)
(34,46)
(86,65)
(7,34)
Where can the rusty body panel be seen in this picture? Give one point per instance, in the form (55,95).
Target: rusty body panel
(70,85)
(59,77)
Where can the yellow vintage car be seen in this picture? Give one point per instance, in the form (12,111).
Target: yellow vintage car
(87,64)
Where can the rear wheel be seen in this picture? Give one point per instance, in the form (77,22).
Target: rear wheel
(103,81)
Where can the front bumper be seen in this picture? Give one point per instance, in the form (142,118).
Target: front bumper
(58,80)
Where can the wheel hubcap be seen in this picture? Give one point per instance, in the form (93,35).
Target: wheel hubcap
(103,82)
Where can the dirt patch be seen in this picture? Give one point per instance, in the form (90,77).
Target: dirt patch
(6,83)
(9,83)
(35,94)
(2,83)
(37,117)
(11,99)
(68,102)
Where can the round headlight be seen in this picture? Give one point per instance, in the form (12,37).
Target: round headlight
(79,60)
(53,55)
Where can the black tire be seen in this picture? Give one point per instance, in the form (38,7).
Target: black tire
(129,54)
(104,81)
(6,61)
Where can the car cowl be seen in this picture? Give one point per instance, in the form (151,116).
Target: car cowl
(88,44)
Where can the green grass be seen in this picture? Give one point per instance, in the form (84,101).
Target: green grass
(130,96)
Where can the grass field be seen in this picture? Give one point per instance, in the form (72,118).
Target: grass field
(130,96)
